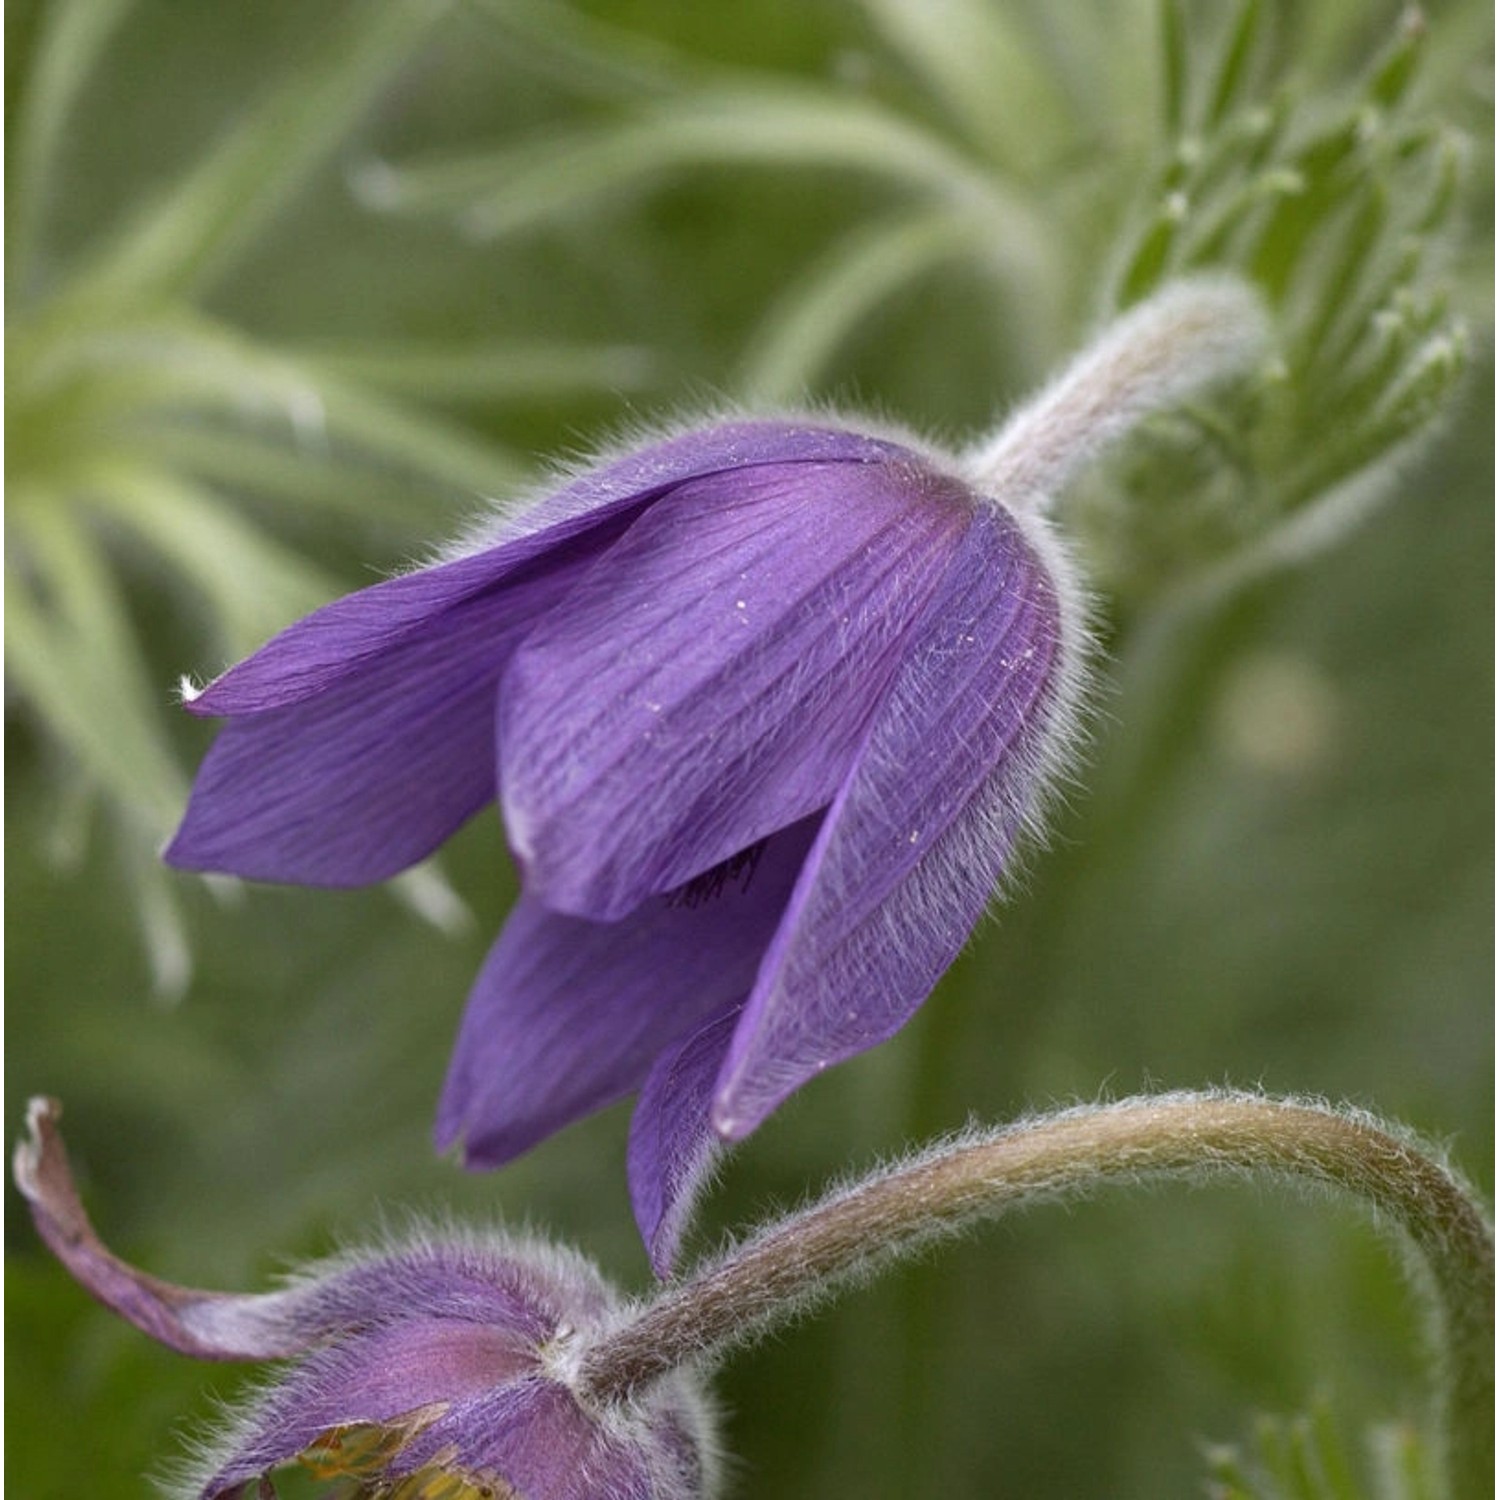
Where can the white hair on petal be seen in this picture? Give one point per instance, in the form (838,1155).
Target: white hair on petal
(521,514)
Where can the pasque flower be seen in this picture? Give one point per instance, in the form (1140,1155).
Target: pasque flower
(457,1367)
(443,1368)
(766,706)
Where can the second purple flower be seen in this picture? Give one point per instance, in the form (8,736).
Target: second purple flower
(764,707)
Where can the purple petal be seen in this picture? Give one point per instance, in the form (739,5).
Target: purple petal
(921,831)
(446,1282)
(371,759)
(710,679)
(537,1439)
(428,1332)
(673,1144)
(317,652)
(392,745)
(206,1325)
(657,466)
(567,1015)
(374,1379)
(378,1408)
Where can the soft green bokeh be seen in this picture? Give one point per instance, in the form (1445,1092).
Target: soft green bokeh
(1275,869)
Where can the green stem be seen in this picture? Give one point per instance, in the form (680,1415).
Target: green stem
(781,1273)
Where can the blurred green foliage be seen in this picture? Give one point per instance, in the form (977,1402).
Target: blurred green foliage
(291,287)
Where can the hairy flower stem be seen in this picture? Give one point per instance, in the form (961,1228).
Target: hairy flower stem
(783,1271)
(1156,356)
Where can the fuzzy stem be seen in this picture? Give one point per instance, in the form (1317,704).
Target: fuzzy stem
(1156,356)
(780,1273)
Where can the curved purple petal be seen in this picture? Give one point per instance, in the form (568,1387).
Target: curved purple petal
(470,1286)
(428,1335)
(672,1141)
(364,735)
(392,1376)
(320,651)
(662,463)
(376,756)
(536,1439)
(567,1015)
(711,677)
(315,653)
(921,831)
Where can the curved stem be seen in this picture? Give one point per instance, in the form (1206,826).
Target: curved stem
(1186,338)
(780,1273)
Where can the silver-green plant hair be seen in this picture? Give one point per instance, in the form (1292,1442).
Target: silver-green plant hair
(787,1269)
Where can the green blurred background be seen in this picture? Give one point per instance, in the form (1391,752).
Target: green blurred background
(1274,870)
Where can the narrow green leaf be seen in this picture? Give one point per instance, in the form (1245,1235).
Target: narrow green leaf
(74,33)
(1333,274)
(1148,262)
(1407,401)
(246,464)
(514,187)
(804,329)
(186,364)
(1444,175)
(163,929)
(468,466)
(1393,71)
(1369,308)
(1333,1456)
(587,55)
(989,71)
(1273,1450)
(183,238)
(1325,167)
(1308,1479)
(1232,71)
(254,585)
(71,653)
(1403,1465)
(425,890)
(1174,67)
(1420,390)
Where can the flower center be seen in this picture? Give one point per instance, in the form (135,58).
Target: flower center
(363,1451)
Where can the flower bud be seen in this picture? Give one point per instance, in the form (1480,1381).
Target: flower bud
(438,1369)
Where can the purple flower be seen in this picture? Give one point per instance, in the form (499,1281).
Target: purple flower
(438,1370)
(765,707)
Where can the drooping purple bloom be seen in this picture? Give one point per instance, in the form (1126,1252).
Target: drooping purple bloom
(765,707)
(437,1370)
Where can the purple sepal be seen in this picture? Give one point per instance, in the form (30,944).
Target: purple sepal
(673,1145)
(920,833)
(362,737)
(652,468)
(206,1325)
(710,678)
(568,1015)
(431,1368)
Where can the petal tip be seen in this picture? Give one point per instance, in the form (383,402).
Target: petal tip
(178,854)
(37,1147)
(724,1117)
(662,1219)
(731,1115)
(661,1249)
